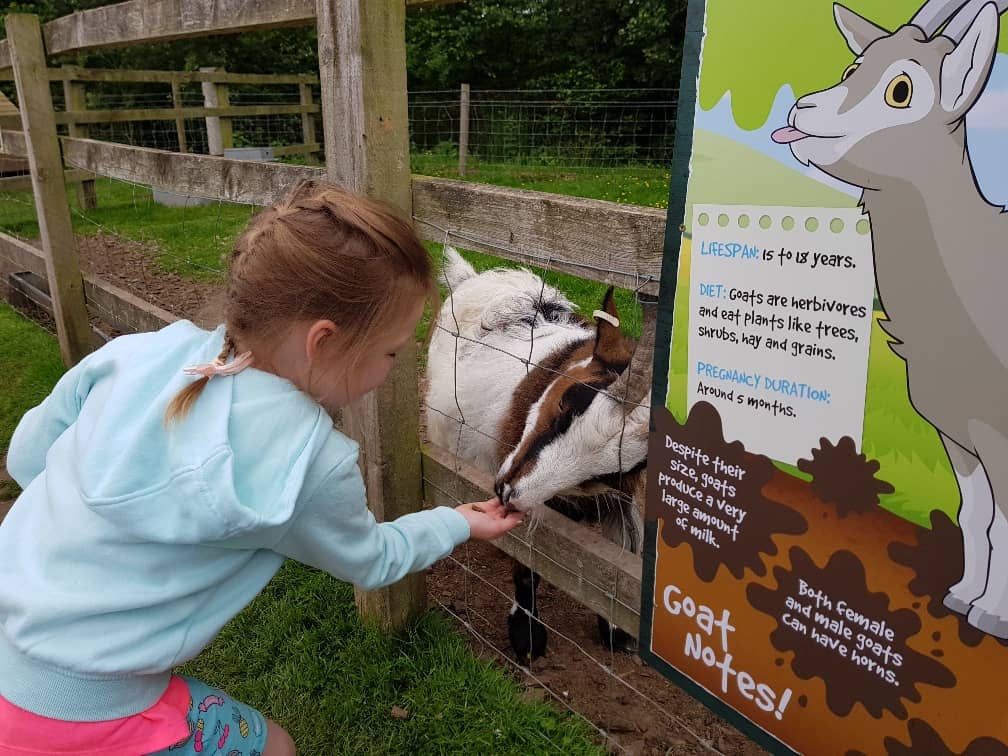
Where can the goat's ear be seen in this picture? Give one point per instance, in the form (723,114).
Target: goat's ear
(965,70)
(609,344)
(858,31)
(455,269)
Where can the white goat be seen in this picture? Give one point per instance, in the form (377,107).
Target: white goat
(895,126)
(523,388)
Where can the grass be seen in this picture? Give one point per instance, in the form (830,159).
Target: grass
(300,655)
(636,185)
(31,364)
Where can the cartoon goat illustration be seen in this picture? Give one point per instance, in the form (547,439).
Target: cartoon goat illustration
(895,126)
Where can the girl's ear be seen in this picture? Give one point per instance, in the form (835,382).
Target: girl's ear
(318,333)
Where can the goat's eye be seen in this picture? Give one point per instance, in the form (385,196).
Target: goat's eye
(848,71)
(899,92)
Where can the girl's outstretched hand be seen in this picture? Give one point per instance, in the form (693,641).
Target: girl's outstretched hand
(487,519)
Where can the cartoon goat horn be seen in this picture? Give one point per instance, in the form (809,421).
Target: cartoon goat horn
(961,21)
(934,13)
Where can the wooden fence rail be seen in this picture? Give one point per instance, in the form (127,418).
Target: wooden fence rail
(594,239)
(139,21)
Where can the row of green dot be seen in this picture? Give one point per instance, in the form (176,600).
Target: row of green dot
(787,223)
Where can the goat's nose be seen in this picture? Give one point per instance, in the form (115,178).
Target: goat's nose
(505,494)
(804,105)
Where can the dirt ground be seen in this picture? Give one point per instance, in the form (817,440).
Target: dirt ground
(639,710)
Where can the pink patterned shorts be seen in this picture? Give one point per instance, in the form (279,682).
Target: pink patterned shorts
(189,718)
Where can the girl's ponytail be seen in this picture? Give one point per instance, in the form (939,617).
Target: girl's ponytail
(184,400)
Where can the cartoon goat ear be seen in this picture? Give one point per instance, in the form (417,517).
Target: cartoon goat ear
(965,70)
(858,31)
(609,337)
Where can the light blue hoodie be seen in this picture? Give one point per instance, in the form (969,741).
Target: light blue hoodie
(133,544)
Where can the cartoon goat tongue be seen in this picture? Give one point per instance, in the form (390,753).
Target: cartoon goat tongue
(787,135)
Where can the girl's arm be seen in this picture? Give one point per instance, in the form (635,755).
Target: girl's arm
(336,532)
(42,425)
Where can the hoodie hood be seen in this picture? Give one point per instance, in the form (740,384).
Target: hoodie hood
(125,457)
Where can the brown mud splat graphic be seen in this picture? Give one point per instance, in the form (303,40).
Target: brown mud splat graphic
(926,742)
(843,477)
(846,635)
(709,493)
(937,559)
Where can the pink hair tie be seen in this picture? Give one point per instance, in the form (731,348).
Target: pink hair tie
(217,367)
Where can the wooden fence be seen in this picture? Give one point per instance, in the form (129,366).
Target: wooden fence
(362,78)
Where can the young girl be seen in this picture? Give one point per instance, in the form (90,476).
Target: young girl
(156,506)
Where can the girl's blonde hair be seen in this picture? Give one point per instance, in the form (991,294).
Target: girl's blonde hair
(321,253)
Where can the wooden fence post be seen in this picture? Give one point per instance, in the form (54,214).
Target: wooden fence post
(307,119)
(362,67)
(38,120)
(76,100)
(176,96)
(463,128)
(219,137)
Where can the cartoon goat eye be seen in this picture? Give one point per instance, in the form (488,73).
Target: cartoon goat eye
(848,71)
(899,91)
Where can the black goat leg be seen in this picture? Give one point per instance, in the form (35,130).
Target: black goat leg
(525,632)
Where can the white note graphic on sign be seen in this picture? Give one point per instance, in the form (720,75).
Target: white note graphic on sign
(781,309)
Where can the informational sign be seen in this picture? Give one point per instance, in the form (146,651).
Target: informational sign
(826,561)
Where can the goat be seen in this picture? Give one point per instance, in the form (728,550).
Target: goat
(524,388)
(895,126)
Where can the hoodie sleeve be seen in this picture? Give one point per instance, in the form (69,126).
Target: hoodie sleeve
(336,532)
(42,425)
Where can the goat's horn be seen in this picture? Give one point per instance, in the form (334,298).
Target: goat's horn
(966,15)
(934,13)
(635,382)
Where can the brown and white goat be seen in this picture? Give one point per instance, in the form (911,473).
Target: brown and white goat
(523,387)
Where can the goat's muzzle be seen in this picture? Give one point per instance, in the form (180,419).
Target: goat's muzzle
(504,492)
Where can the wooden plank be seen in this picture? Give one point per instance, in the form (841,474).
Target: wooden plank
(602,241)
(13,143)
(171,114)
(575,558)
(75,97)
(24,183)
(362,72)
(122,309)
(176,94)
(26,288)
(463,145)
(115,306)
(138,21)
(76,73)
(13,165)
(55,228)
(307,119)
(242,181)
(219,132)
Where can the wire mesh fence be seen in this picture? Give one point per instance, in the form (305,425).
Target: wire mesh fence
(566,129)
(583,128)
